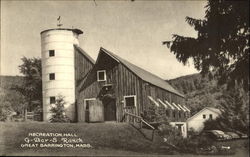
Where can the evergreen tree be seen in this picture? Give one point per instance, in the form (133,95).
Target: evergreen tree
(222,44)
(58,111)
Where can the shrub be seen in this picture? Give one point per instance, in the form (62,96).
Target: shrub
(5,110)
(58,111)
(191,144)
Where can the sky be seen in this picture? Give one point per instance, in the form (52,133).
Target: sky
(132,30)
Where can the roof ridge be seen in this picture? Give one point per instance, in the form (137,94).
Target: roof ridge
(143,70)
(85,54)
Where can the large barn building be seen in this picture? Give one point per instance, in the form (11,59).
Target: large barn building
(103,90)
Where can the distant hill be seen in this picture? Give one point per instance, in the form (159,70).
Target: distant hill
(199,91)
(8,81)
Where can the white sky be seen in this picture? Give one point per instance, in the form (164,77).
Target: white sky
(132,30)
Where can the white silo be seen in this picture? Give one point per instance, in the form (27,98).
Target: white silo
(58,69)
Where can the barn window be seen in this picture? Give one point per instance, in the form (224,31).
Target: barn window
(101,75)
(51,53)
(52,76)
(204,116)
(179,114)
(52,100)
(130,101)
(153,101)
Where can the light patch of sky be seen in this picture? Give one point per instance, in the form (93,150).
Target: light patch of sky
(132,30)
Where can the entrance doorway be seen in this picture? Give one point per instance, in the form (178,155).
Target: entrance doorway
(109,109)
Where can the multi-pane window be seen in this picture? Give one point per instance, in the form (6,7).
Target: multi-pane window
(52,76)
(51,53)
(101,75)
(52,100)
(130,101)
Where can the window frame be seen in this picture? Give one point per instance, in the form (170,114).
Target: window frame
(85,102)
(50,51)
(105,75)
(52,74)
(128,96)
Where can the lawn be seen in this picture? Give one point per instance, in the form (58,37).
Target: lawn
(119,138)
(104,138)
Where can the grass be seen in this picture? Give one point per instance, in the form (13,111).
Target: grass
(107,139)
(118,137)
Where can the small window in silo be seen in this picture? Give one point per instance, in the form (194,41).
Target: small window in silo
(52,76)
(51,53)
(52,100)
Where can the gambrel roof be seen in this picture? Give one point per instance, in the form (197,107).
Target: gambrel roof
(143,74)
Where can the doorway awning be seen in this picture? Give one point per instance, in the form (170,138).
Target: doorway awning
(186,108)
(169,105)
(176,106)
(162,103)
(182,108)
(153,100)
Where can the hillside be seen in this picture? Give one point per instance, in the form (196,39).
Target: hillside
(8,96)
(199,91)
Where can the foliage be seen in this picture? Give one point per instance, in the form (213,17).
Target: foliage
(31,89)
(200,91)
(58,111)
(222,42)
(5,110)
(235,110)
(10,100)
(155,114)
(190,144)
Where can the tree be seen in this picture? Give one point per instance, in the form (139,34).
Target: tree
(31,89)
(222,45)
(235,109)
(58,111)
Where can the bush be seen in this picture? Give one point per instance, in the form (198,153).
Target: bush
(58,111)
(191,144)
(5,110)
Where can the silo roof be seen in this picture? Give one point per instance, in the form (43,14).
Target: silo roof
(77,31)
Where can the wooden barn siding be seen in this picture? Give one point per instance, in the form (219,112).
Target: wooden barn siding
(82,65)
(128,84)
(82,68)
(124,82)
(156,92)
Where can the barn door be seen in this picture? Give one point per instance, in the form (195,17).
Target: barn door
(109,109)
(93,111)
